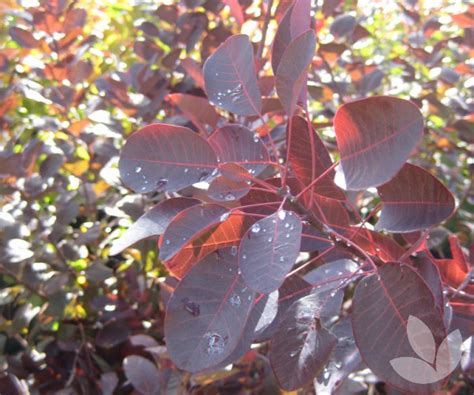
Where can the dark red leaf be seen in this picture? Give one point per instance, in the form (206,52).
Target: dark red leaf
(224,190)
(292,69)
(413,200)
(237,144)
(203,323)
(375,137)
(297,20)
(292,289)
(309,164)
(143,374)
(344,359)
(262,314)
(269,250)
(188,225)
(228,233)
(343,26)
(230,79)
(301,347)
(194,71)
(23,37)
(152,223)
(382,306)
(165,158)
(196,108)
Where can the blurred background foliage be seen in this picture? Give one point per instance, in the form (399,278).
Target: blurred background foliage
(77,77)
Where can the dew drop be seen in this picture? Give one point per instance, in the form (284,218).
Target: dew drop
(186,170)
(256,138)
(234,300)
(255,228)
(281,214)
(282,258)
(224,217)
(287,235)
(293,354)
(229,197)
(215,343)
(191,307)
(161,183)
(270,239)
(244,256)
(138,169)
(214,172)
(287,225)
(167,242)
(233,250)
(326,373)
(203,175)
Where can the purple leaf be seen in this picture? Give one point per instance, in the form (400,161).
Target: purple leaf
(292,289)
(237,144)
(344,359)
(269,249)
(165,158)
(188,225)
(222,189)
(343,26)
(23,37)
(300,347)
(309,164)
(297,20)
(382,306)
(143,374)
(375,137)
(413,200)
(204,323)
(230,79)
(292,70)
(152,223)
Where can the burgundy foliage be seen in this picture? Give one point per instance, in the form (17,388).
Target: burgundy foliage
(240,262)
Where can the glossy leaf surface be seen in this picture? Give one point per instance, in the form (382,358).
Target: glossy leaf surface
(269,250)
(291,74)
(413,200)
(165,158)
(300,347)
(382,307)
(238,144)
(375,137)
(230,79)
(203,324)
(152,223)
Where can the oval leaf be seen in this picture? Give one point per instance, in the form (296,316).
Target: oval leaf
(224,190)
(143,374)
(269,250)
(237,144)
(230,79)
(291,74)
(375,137)
(309,158)
(203,323)
(381,310)
(413,200)
(188,225)
(300,347)
(152,223)
(165,158)
(23,37)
